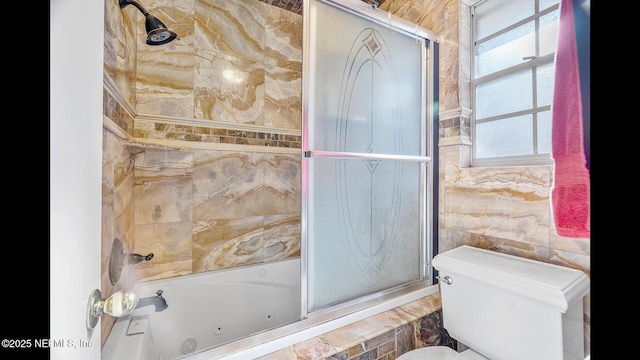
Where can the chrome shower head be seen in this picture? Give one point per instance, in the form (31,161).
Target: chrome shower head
(157,32)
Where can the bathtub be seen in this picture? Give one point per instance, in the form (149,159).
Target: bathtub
(207,310)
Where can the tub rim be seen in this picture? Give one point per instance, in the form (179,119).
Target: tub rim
(317,323)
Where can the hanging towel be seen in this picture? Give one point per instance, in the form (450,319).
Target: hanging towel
(570,195)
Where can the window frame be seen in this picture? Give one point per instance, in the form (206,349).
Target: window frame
(532,65)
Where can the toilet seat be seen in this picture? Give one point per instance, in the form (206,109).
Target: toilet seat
(440,353)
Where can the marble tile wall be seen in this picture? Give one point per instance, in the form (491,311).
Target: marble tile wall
(117,213)
(206,210)
(171,95)
(381,337)
(236,62)
(196,210)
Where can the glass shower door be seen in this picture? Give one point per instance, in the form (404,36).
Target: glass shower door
(365,156)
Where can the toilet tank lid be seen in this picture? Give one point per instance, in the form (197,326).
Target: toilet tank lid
(551,284)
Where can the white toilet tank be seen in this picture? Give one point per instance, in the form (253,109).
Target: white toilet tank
(507,307)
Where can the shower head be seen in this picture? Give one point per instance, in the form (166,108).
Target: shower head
(157,32)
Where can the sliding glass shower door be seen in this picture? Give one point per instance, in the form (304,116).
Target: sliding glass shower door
(366,155)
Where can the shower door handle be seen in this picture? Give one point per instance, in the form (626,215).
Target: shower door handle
(365,156)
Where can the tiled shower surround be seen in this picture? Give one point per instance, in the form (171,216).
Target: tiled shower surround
(203,169)
(203,133)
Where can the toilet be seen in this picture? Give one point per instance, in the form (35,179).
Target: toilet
(504,307)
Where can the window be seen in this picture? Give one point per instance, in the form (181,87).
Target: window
(514,44)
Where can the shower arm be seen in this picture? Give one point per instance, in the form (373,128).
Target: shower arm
(124,3)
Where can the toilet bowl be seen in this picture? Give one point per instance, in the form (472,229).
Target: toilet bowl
(441,353)
(505,307)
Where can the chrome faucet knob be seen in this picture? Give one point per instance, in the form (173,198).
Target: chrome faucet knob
(133,259)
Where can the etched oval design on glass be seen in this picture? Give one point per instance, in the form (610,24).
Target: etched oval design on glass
(368,208)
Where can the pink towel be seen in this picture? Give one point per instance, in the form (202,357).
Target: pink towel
(570,194)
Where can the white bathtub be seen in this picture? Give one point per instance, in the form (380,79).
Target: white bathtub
(206,310)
